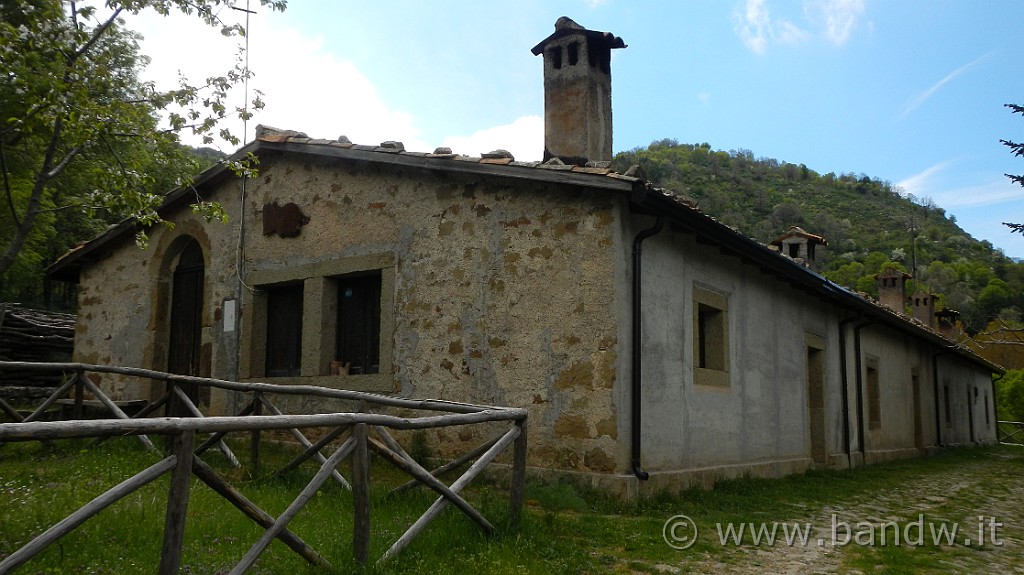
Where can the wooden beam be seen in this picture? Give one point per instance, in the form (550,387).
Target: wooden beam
(71,522)
(39,430)
(286,517)
(518,481)
(447,467)
(360,495)
(194,410)
(298,435)
(177,504)
(208,476)
(400,459)
(456,487)
(114,409)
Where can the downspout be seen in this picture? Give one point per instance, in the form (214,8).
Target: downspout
(635,412)
(995,405)
(938,410)
(860,392)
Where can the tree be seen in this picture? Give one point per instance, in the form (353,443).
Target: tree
(1017,149)
(80,131)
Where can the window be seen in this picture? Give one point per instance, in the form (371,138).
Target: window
(358,325)
(874,395)
(710,337)
(710,332)
(284,331)
(308,320)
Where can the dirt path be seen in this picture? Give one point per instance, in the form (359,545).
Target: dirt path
(982,497)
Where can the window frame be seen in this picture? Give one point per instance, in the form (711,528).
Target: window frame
(283,298)
(319,323)
(711,349)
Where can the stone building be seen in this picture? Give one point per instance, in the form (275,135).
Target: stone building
(654,347)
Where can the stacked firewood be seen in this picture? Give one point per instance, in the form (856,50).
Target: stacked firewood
(34,335)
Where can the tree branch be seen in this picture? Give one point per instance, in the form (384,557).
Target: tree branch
(96,34)
(63,164)
(35,198)
(7,186)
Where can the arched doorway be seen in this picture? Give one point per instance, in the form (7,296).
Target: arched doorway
(186,321)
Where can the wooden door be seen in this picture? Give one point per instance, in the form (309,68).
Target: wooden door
(186,317)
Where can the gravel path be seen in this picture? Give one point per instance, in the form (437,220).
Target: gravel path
(984,495)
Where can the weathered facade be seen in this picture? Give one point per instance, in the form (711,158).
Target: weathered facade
(654,347)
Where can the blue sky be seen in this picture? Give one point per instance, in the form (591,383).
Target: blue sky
(910,92)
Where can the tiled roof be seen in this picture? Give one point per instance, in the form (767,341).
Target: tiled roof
(497,157)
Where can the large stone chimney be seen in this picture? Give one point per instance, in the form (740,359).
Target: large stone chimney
(892,289)
(577,93)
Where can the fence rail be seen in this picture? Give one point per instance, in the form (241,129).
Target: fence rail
(1010,432)
(355,433)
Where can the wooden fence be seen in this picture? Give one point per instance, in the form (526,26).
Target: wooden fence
(352,435)
(1010,432)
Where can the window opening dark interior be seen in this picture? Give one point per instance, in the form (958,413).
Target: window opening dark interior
(556,57)
(710,336)
(794,250)
(359,323)
(574,53)
(284,331)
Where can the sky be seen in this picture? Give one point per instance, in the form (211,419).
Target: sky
(906,91)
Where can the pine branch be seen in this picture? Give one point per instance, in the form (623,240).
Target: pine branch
(1015,228)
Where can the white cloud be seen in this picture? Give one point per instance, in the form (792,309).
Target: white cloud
(833,20)
(305,87)
(921,98)
(921,184)
(996,191)
(753,25)
(524,138)
(929,184)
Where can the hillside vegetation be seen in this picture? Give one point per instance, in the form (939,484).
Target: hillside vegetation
(868,223)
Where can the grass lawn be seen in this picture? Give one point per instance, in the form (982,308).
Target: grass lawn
(565,528)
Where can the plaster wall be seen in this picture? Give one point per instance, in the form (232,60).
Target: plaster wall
(759,415)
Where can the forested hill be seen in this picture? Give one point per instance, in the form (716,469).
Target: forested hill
(867,222)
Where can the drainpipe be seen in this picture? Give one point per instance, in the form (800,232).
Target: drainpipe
(637,386)
(995,405)
(860,392)
(938,411)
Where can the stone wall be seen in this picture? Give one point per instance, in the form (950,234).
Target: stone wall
(502,294)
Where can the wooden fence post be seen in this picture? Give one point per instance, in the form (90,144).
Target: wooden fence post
(78,411)
(254,438)
(361,495)
(515,493)
(177,504)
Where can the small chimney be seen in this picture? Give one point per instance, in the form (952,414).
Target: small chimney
(577,93)
(892,289)
(922,308)
(806,249)
(947,318)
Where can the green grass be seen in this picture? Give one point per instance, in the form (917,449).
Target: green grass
(565,528)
